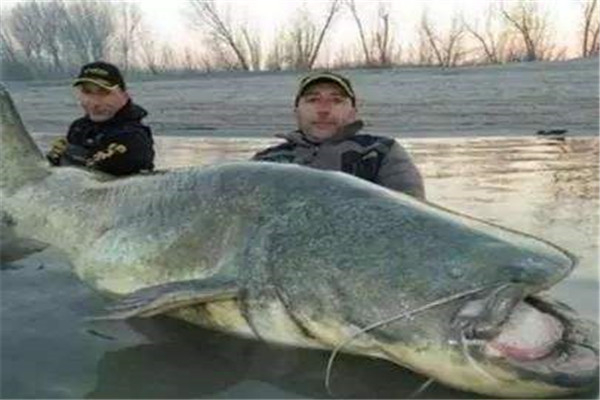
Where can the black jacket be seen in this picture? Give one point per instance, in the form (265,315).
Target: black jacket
(86,138)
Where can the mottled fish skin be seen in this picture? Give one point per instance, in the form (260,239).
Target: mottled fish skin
(304,257)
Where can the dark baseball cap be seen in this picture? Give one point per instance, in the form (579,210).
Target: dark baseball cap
(326,76)
(101,73)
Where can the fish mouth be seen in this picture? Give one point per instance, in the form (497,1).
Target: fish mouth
(541,339)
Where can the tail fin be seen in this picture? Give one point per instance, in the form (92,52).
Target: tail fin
(20,159)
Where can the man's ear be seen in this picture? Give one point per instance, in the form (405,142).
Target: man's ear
(125,96)
(354,112)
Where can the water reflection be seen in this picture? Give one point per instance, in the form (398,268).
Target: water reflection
(213,365)
(540,186)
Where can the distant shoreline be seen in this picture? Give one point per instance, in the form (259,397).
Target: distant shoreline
(513,100)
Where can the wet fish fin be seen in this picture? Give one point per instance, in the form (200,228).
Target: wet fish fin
(163,298)
(19,248)
(12,247)
(21,161)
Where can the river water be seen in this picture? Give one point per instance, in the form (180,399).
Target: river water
(542,186)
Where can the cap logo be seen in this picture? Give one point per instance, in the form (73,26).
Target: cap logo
(96,71)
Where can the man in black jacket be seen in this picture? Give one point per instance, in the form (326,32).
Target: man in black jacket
(110,137)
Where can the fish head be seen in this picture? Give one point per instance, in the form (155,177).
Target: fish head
(445,295)
(476,317)
(498,343)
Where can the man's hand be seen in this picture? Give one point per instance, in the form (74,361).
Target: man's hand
(111,150)
(59,146)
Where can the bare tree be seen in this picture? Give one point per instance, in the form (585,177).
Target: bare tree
(443,49)
(55,37)
(9,49)
(188,61)
(253,48)
(301,41)
(591,27)
(377,45)
(129,27)
(34,27)
(11,63)
(492,37)
(220,58)
(50,14)
(383,36)
(361,31)
(532,26)
(347,57)
(149,53)
(305,38)
(333,9)
(276,57)
(240,40)
(87,28)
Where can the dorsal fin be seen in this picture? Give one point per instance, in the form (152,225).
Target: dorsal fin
(20,159)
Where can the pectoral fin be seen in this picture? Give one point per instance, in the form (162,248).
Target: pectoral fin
(160,299)
(12,247)
(19,248)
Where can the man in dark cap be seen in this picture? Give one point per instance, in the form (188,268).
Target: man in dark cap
(110,137)
(328,138)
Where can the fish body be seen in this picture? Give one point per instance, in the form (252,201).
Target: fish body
(310,258)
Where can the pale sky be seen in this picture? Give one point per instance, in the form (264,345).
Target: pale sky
(167,17)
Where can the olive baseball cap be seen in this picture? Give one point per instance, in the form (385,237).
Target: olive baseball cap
(101,73)
(325,76)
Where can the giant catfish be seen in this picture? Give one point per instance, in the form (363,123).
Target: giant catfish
(309,258)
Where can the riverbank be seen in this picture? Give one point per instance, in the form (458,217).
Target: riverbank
(499,100)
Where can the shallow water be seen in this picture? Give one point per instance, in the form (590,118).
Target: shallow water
(548,188)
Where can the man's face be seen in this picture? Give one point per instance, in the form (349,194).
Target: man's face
(100,104)
(323,109)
